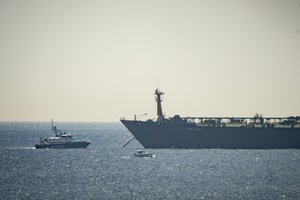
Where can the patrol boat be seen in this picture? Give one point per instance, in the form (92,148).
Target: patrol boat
(256,132)
(60,140)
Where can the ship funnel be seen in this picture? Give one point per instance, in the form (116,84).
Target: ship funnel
(159,100)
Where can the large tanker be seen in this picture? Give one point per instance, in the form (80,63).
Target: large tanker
(215,132)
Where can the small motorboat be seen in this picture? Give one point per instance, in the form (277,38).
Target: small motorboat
(143,154)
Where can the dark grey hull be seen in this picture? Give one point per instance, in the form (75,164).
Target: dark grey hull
(183,135)
(66,145)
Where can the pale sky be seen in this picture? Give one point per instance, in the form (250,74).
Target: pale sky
(83,60)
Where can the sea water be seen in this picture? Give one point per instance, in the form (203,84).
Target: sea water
(105,170)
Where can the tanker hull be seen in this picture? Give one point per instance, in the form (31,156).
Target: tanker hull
(191,136)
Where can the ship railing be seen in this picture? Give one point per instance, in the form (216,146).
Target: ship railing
(245,121)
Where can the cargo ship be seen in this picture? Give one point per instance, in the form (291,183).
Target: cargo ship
(255,132)
(60,140)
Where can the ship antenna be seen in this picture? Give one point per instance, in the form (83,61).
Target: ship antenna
(159,100)
(52,124)
(54,129)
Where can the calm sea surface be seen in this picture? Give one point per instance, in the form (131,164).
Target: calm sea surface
(105,170)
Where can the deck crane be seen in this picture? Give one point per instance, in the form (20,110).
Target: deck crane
(138,116)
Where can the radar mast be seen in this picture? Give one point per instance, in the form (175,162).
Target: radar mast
(158,99)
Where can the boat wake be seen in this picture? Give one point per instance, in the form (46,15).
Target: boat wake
(19,148)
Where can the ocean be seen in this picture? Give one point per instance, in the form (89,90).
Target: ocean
(105,170)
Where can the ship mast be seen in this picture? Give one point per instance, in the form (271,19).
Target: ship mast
(159,108)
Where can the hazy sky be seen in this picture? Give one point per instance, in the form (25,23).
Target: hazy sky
(82,60)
